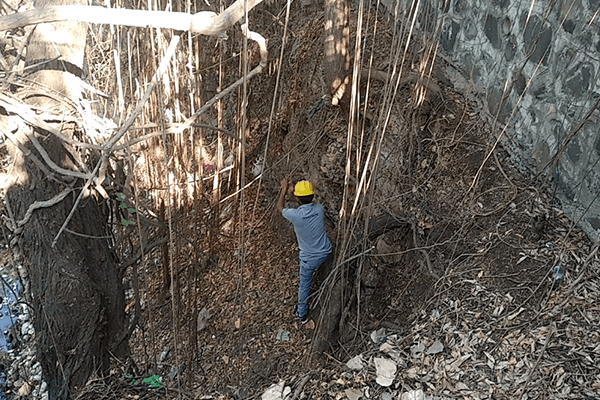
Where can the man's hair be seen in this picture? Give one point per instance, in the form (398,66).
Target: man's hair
(306,199)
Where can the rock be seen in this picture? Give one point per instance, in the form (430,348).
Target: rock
(241,394)
(25,389)
(203,317)
(25,328)
(414,395)
(353,394)
(436,347)
(386,371)
(163,354)
(388,252)
(356,363)
(378,336)
(274,392)
(283,335)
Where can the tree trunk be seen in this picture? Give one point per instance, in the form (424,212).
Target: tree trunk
(337,50)
(76,286)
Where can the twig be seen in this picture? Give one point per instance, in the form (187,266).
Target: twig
(83,190)
(86,236)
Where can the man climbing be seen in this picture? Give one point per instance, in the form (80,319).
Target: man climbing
(309,225)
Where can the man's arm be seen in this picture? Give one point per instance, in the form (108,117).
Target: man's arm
(281,199)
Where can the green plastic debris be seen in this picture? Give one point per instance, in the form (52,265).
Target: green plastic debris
(152,381)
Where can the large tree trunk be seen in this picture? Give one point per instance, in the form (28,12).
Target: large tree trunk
(337,50)
(76,287)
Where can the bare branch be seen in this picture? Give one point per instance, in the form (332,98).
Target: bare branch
(29,154)
(14,106)
(262,43)
(40,204)
(51,163)
(204,22)
(171,129)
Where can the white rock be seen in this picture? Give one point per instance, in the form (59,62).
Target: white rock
(386,371)
(378,336)
(353,394)
(43,386)
(274,392)
(25,389)
(356,363)
(386,348)
(436,347)
(386,396)
(413,395)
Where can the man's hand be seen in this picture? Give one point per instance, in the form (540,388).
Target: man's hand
(284,189)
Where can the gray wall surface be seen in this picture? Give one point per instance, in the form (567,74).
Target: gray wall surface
(534,66)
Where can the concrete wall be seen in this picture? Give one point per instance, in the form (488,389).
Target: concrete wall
(534,65)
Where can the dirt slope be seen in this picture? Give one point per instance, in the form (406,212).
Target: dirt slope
(467,262)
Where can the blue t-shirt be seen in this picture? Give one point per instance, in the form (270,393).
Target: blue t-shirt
(309,224)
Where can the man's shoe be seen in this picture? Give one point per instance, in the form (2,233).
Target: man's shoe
(304,319)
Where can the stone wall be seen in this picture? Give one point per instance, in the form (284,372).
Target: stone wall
(534,67)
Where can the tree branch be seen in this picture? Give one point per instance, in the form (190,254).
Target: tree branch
(262,44)
(13,105)
(39,204)
(204,22)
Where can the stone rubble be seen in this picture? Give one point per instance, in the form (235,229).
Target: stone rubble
(24,375)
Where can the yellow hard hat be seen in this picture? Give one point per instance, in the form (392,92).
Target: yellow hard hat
(303,188)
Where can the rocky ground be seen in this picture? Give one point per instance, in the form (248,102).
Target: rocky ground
(22,372)
(453,299)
